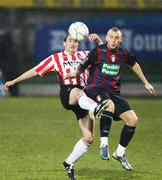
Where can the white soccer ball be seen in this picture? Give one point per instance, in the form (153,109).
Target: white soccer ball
(78,31)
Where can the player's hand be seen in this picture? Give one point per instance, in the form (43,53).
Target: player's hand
(71,75)
(95,37)
(8,84)
(150,88)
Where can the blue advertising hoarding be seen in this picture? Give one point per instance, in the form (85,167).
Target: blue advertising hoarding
(142,35)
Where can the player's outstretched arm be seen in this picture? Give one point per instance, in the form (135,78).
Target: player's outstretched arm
(137,69)
(27,75)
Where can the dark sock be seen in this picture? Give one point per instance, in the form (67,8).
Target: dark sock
(126,135)
(105,123)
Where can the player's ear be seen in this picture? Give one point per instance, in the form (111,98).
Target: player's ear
(107,37)
(64,43)
(121,40)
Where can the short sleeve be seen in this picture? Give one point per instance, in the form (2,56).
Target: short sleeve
(131,59)
(45,66)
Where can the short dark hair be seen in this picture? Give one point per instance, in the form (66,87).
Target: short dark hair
(115,29)
(65,38)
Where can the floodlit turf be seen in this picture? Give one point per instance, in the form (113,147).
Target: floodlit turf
(36,135)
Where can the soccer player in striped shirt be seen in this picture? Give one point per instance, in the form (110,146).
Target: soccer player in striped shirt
(71,93)
(105,64)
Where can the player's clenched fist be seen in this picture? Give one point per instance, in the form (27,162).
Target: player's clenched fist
(9,84)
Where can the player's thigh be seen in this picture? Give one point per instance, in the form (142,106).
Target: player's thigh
(87,126)
(68,96)
(129,118)
(74,94)
(121,105)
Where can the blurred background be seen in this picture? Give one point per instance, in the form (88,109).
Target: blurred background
(30,30)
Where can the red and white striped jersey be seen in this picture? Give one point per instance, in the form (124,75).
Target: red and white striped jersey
(64,63)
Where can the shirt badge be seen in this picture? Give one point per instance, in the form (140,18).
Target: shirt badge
(113,58)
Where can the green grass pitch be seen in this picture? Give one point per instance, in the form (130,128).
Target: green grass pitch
(37,134)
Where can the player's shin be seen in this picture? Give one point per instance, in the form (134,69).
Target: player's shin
(126,136)
(105,126)
(79,150)
(119,155)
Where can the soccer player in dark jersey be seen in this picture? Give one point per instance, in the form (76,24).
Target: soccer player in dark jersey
(105,64)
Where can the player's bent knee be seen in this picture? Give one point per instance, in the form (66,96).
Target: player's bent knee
(135,121)
(89,139)
(74,94)
(130,118)
(132,121)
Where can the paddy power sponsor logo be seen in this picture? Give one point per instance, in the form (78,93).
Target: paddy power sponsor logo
(110,69)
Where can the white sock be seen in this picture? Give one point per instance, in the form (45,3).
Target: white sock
(79,150)
(120,150)
(103,141)
(87,103)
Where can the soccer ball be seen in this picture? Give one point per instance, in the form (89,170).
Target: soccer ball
(78,31)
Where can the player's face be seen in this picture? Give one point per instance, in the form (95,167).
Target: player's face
(113,39)
(71,45)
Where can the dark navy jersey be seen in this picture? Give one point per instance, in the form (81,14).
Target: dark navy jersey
(105,67)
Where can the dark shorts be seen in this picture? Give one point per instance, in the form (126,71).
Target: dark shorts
(64,96)
(121,105)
